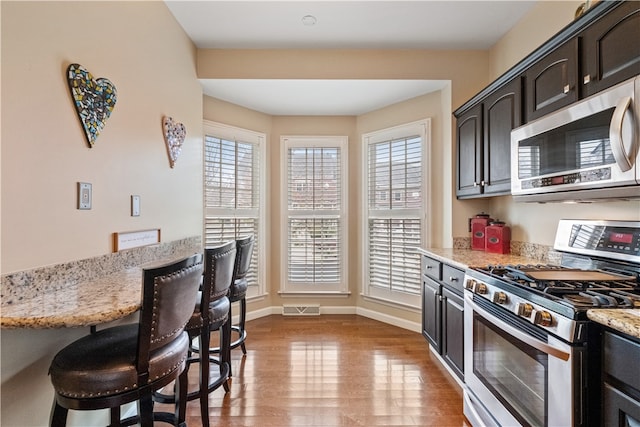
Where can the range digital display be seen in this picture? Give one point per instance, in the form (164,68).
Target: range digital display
(621,237)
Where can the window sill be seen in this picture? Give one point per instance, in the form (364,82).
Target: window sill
(328,294)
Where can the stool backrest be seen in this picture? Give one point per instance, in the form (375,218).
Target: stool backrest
(218,272)
(169,292)
(243,258)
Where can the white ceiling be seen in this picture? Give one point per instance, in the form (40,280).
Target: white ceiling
(239,24)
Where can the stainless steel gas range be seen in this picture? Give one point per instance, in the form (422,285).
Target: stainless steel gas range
(530,356)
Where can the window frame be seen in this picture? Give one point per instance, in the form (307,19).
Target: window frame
(236,134)
(423,129)
(286,287)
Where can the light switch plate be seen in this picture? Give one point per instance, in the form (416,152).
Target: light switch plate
(84,195)
(135,205)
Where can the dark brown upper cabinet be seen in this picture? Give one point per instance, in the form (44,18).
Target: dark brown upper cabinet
(484,143)
(551,82)
(502,113)
(592,53)
(469,160)
(611,49)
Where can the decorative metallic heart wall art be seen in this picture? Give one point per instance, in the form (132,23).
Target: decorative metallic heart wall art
(174,134)
(94,100)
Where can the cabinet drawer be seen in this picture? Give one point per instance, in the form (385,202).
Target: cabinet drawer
(621,359)
(453,277)
(431,268)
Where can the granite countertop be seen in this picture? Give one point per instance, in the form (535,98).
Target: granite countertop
(86,302)
(625,320)
(464,258)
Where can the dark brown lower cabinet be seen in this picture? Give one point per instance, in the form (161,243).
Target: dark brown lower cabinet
(443,312)
(620,380)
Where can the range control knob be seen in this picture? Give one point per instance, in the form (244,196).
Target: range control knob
(543,318)
(470,284)
(525,309)
(480,289)
(500,298)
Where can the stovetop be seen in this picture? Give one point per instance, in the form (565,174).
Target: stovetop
(575,289)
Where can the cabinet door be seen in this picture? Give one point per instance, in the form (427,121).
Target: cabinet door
(551,82)
(502,114)
(619,409)
(611,48)
(453,331)
(469,156)
(431,312)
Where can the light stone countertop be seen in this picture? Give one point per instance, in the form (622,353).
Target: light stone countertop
(625,320)
(90,301)
(86,303)
(464,258)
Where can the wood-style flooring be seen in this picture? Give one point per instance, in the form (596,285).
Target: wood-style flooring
(332,370)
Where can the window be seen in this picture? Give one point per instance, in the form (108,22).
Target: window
(233,198)
(394,164)
(314,231)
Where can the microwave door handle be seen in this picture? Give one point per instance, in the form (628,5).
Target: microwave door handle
(527,339)
(615,135)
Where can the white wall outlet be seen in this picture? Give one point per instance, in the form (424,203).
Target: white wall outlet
(135,205)
(84,195)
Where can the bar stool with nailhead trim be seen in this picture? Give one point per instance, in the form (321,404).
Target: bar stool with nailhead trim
(126,363)
(218,273)
(238,290)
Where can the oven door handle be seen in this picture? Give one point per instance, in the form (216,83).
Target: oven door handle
(527,339)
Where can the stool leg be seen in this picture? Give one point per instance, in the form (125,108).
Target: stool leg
(58,415)
(145,410)
(115,416)
(181,397)
(204,375)
(225,350)
(243,316)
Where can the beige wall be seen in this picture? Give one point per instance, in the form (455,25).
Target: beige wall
(143,51)
(537,223)
(468,72)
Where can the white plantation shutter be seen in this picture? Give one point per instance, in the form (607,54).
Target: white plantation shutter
(395,202)
(315,214)
(232,194)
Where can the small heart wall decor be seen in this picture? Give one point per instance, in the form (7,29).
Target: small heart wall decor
(174,134)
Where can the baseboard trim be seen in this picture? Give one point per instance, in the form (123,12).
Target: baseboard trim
(324,310)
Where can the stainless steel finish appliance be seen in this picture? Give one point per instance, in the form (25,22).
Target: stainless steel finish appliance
(527,336)
(587,151)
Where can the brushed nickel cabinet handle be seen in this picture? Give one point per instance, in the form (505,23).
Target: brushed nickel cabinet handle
(567,88)
(586,79)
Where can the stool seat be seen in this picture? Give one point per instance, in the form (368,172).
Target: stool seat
(102,364)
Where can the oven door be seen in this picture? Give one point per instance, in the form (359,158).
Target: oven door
(515,374)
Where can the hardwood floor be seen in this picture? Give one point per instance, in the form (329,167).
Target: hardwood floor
(333,370)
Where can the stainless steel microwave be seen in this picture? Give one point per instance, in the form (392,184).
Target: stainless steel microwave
(586,151)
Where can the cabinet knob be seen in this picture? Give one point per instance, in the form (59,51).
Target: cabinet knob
(567,88)
(586,79)
(483,183)
(429,267)
(453,279)
(475,184)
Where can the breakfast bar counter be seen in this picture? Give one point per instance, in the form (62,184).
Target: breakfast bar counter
(83,303)
(86,292)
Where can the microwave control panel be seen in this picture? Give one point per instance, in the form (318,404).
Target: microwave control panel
(600,174)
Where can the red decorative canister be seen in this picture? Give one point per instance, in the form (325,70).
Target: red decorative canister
(498,238)
(477,224)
